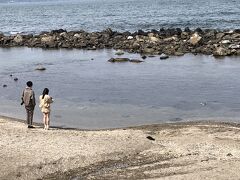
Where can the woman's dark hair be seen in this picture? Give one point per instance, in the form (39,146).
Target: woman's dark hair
(45,91)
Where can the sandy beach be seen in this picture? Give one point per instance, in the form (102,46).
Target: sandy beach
(191,150)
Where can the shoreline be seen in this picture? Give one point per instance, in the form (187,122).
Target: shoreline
(184,150)
(137,127)
(175,41)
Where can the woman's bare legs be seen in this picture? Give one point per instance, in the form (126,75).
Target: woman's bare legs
(45,120)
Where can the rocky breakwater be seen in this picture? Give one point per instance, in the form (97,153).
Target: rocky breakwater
(168,41)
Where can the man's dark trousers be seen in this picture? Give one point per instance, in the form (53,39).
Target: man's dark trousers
(29,110)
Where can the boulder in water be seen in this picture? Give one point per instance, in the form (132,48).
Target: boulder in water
(118,60)
(163,57)
(40,68)
(119,53)
(135,60)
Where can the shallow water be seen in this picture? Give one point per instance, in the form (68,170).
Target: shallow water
(98,94)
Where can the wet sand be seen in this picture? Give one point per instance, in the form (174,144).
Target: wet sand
(192,150)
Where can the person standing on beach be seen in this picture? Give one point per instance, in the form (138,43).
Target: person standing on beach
(28,99)
(45,101)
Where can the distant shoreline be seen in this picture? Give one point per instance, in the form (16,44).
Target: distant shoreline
(176,41)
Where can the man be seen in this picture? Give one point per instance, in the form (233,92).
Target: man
(28,99)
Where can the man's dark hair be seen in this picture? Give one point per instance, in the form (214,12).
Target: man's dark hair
(29,84)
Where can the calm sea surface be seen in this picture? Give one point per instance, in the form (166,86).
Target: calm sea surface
(35,16)
(98,94)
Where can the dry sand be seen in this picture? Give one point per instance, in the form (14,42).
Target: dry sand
(200,150)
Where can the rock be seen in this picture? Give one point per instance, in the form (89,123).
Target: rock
(220,51)
(163,57)
(230,32)
(178,54)
(151,56)
(63,34)
(144,57)
(225,42)
(140,38)
(154,39)
(220,35)
(136,45)
(141,32)
(15,79)
(148,50)
(236,36)
(130,37)
(18,39)
(119,53)
(47,39)
(58,31)
(150,138)
(199,30)
(184,35)
(234,46)
(118,60)
(187,30)
(135,60)
(78,36)
(40,68)
(195,39)
(173,38)
(4,85)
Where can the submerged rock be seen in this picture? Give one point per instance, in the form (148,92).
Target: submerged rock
(163,57)
(40,68)
(135,60)
(119,53)
(119,60)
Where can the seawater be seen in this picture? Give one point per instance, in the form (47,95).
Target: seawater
(91,92)
(34,16)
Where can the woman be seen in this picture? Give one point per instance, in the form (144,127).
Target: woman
(45,101)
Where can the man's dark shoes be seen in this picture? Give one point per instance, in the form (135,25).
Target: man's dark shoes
(30,126)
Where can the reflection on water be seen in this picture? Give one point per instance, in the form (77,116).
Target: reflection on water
(98,94)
